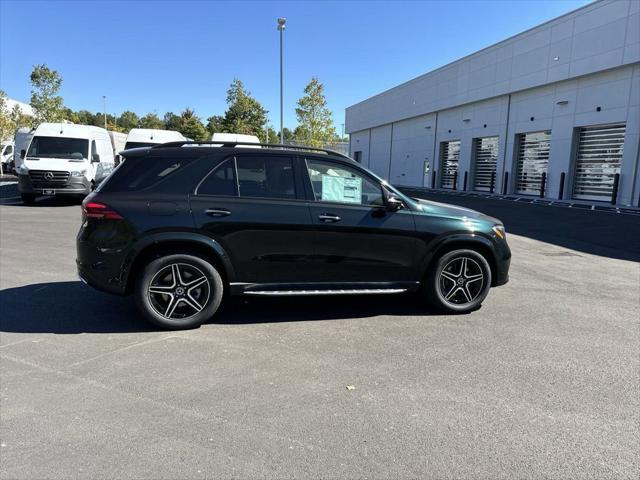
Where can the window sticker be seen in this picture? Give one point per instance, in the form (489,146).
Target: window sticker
(341,189)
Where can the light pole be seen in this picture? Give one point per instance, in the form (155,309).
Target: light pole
(104,110)
(281,23)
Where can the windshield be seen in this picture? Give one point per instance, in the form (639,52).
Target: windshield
(138,145)
(59,147)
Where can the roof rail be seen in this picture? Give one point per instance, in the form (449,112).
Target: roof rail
(250,144)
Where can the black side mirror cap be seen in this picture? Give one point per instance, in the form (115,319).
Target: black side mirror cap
(394,203)
(95,158)
(23,153)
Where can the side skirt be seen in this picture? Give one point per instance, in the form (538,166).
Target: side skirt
(293,289)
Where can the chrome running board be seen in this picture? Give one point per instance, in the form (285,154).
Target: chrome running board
(353,291)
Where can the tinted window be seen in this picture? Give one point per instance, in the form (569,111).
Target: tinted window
(222,181)
(336,183)
(143,172)
(59,147)
(266,177)
(129,145)
(8,150)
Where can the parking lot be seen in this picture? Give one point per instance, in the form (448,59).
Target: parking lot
(542,381)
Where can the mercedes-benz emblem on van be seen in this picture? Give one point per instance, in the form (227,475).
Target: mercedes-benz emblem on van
(48,175)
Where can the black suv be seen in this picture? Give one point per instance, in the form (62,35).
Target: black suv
(182,224)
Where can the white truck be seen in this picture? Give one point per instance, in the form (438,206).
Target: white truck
(145,137)
(235,138)
(65,159)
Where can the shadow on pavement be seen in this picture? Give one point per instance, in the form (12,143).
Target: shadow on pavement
(72,308)
(589,231)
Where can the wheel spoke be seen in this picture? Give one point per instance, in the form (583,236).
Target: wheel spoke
(171,306)
(189,300)
(466,293)
(175,271)
(452,292)
(449,276)
(474,277)
(463,267)
(162,289)
(195,283)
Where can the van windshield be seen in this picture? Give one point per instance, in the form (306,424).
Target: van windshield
(138,145)
(59,147)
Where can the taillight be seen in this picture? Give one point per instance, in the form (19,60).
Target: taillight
(99,211)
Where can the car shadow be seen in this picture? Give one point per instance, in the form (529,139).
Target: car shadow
(73,308)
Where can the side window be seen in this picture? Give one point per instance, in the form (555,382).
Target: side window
(222,181)
(8,150)
(336,183)
(266,177)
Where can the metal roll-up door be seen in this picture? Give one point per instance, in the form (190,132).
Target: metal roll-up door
(533,161)
(485,157)
(598,159)
(449,158)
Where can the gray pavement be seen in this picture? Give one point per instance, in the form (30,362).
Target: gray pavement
(542,382)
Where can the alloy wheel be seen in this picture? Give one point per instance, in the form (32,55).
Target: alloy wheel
(461,281)
(179,291)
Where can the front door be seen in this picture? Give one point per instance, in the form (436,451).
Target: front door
(251,206)
(357,238)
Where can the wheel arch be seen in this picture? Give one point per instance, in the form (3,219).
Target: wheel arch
(472,242)
(158,245)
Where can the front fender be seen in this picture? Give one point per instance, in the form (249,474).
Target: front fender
(443,241)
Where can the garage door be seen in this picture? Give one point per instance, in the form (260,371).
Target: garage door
(449,158)
(598,159)
(533,160)
(485,157)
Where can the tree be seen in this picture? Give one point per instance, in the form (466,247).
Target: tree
(7,126)
(85,117)
(215,124)
(46,102)
(171,121)
(315,125)
(190,125)
(244,113)
(151,120)
(289,136)
(128,120)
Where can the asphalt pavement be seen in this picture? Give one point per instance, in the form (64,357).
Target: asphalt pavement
(542,382)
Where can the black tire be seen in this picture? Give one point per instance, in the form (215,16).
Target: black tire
(28,198)
(159,276)
(449,295)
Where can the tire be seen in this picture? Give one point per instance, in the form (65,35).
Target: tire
(28,198)
(445,291)
(178,301)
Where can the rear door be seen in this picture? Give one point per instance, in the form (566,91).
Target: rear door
(254,206)
(357,239)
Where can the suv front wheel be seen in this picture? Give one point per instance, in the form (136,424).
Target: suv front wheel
(179,291)
(458,282)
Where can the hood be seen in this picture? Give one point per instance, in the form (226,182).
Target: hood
(55,164)
(447,210)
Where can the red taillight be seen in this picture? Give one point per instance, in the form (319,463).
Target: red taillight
(100,211)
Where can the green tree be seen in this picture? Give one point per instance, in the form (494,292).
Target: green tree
(46,102)
(315,125)
(190,125)
(215,124)
(244,113)
(85,117)
(7,126)
(128,120)
(151,120)
(171,121)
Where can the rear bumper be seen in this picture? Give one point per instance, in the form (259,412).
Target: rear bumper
(73,186)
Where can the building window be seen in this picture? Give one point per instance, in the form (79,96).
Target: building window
(598,159)
(485,159)
(533,161)
(357,156)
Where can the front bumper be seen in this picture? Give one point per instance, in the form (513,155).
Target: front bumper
(69,186)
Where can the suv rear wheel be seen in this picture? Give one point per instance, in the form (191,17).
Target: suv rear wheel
(179,291)
(458,282)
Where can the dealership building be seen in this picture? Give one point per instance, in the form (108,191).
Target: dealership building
(552,112)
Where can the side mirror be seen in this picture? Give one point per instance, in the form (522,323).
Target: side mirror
(392,202)
(95,158)
(23,153)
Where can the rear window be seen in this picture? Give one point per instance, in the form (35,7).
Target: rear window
(129,145)
(138,173)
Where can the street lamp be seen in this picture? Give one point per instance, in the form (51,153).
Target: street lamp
(104,110)
(281,25)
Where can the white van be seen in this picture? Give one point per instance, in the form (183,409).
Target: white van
(145,137)
(21,141)
(6,155)
(118,142)
(65,159)
(235,138)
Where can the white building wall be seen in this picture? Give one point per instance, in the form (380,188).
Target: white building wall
(586,59)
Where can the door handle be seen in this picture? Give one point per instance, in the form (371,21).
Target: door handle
(217,212)
(328,218)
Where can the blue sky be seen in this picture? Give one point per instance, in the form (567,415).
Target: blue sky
(164,56)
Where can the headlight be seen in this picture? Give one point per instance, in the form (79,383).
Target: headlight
(78,173)
(500,231)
